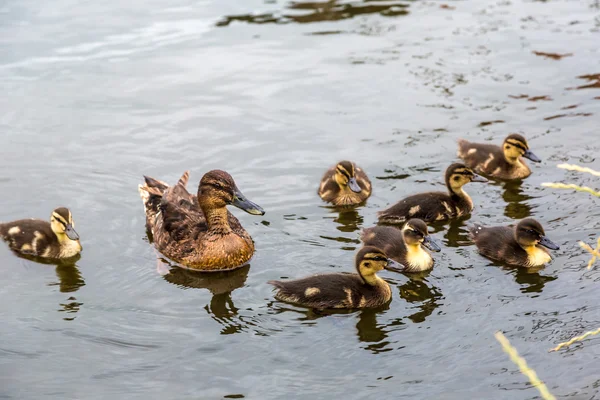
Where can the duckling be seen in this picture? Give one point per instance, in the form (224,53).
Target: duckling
(515,245)
(56,239)
(343,290)
(404,246)
(436,206)
(199,232)
(499,162)
(345,184)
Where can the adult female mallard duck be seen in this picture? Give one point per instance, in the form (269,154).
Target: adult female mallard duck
(198,231)
(56,239)
(519,245)
(345,184)
(343,290)
(404,246)
(504,162)
(436,206)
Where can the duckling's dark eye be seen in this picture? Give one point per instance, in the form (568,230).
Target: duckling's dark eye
(380,259)
(456,178)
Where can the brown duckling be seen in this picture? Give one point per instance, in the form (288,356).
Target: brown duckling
(404,246)
(519,245)
(504,162)
(56,239)
(345,184)
(436,206)
(343,290)
(198,231)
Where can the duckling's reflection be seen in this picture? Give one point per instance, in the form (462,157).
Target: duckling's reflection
(69,280)
(349,221)
(517,206)
(417,290)
(529,278)
(222,310)
(456,231)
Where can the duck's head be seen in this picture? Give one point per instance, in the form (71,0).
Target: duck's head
(218,189)
(62,223)
(516,146)
(370,260)
(458,175)
(345,176)
(415,234)
(529,232)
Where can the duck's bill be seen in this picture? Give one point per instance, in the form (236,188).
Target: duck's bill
(478,178)
(431,244)
(530,156)
(394,266)
(549,243)
(240,201)
(353,185)
(70,232)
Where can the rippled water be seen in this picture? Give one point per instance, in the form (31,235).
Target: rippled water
(96,94)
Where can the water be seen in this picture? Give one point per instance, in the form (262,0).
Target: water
(97,94)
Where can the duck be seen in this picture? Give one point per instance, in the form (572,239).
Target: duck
(343,290)
(503,162)
(523,245)
(56,239)
(436,206)
(345,184)
(199,232)
(404,246)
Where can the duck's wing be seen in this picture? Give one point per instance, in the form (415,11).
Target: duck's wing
(483,158)
(495,242)
(387,238)
(322,291)
(328,189)
(432,206)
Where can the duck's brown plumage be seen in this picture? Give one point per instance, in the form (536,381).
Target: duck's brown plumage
(340,194)
(435,206)
(519,245)
(35,237)
(338,290)
(502,162)
(180,229)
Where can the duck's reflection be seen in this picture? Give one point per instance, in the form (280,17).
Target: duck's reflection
(456,231)
(419,291)
(222,310)
(69,280)
(517,206)
(349,220)
(530,279)
(318,11)
(217,283)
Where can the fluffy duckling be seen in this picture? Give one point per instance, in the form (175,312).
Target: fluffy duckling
(504,162)
(436,206)
(519,245)
(404,246)
(343,290)
(56,239)
(198,231)
(345,184)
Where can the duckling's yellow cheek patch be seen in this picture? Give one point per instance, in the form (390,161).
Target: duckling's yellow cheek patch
(311,291)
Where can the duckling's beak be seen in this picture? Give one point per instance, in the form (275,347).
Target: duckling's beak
(431,244)
(240,201)
(478,178)
(544,241)
(394,266)
(353,185)
(529,155)
(70,232)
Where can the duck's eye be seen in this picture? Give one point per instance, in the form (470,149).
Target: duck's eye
(415,232)
(456,178)
(380,259)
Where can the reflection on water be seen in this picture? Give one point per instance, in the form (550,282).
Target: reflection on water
(517,206)
(222,310)
(309,12)
(418,290)
(530,279)
(457,232)
(217,283)
(348,219)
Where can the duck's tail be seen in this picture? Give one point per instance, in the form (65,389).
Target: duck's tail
(277,284)
(151,193)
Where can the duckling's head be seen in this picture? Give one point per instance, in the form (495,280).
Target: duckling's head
(516,146)
(218,189)
(370,260)
(62,223)
(529,233)
(458,175)
(345,176)
(415,234)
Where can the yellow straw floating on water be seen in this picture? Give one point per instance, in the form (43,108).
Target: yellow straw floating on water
(576,339)
(595,252)
(571,186)
(522,364)
(573,167)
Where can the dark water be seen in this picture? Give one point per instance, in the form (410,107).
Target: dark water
(95,94)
